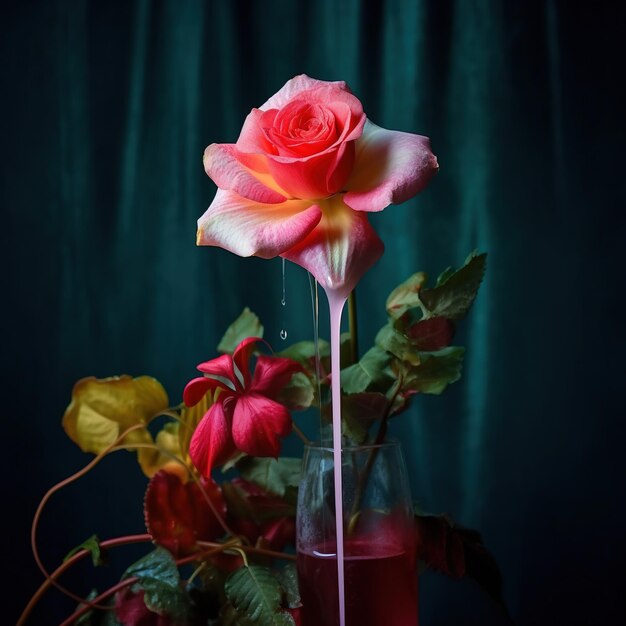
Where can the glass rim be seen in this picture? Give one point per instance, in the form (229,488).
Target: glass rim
(388,443)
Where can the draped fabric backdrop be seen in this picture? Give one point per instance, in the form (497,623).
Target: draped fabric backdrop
(106,110)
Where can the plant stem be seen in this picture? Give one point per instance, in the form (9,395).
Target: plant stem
(371,459)
(48,582)
(58,487)
(299,433)
(353,326)
(131,581)
(249,549)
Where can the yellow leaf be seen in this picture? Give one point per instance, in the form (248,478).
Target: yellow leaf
(190,418)
(168,444)
(102,409)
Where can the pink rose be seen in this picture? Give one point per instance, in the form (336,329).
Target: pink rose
(306,169)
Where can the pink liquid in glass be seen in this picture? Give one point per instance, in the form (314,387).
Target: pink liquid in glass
(380,589)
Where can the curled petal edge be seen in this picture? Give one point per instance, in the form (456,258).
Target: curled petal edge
(390,167)
(249,228)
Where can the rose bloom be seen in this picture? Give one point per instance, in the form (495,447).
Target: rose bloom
(306,169)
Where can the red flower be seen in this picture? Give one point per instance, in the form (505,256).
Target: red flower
(245,415)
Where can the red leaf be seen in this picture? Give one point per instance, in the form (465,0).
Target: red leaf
(431,334)
(278,533)
(439,546)
(458,552)
(177,515)
(263,518)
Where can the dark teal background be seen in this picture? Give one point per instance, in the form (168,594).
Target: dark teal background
(106,108)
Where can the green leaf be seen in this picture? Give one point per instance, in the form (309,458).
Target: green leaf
(304,352)
(246,325)
(398,344)
(443,277)
(298,394)
(288,579)
(255,592)
(274,475)
(159,578)
(406,295)
(436,371)
(369,373)
(454,297)
(359,411)
(93,546)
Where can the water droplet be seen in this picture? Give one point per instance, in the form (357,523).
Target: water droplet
(283,334)
(283,300)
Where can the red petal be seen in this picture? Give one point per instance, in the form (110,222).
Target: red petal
(258,422)
(242,354)
(197,388)
(220,366)
(212,443)
(271,374)
(177,514)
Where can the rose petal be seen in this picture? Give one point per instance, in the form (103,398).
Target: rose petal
(271,374)
(212,443)
(248,228)
(252,140)
(332,90)
(390,167)
(314,177)
(340,249)
(258,422)
(242,174)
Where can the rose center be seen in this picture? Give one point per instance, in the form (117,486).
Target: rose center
(302,129)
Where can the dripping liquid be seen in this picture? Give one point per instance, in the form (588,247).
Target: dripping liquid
(336,304)
(283,302)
